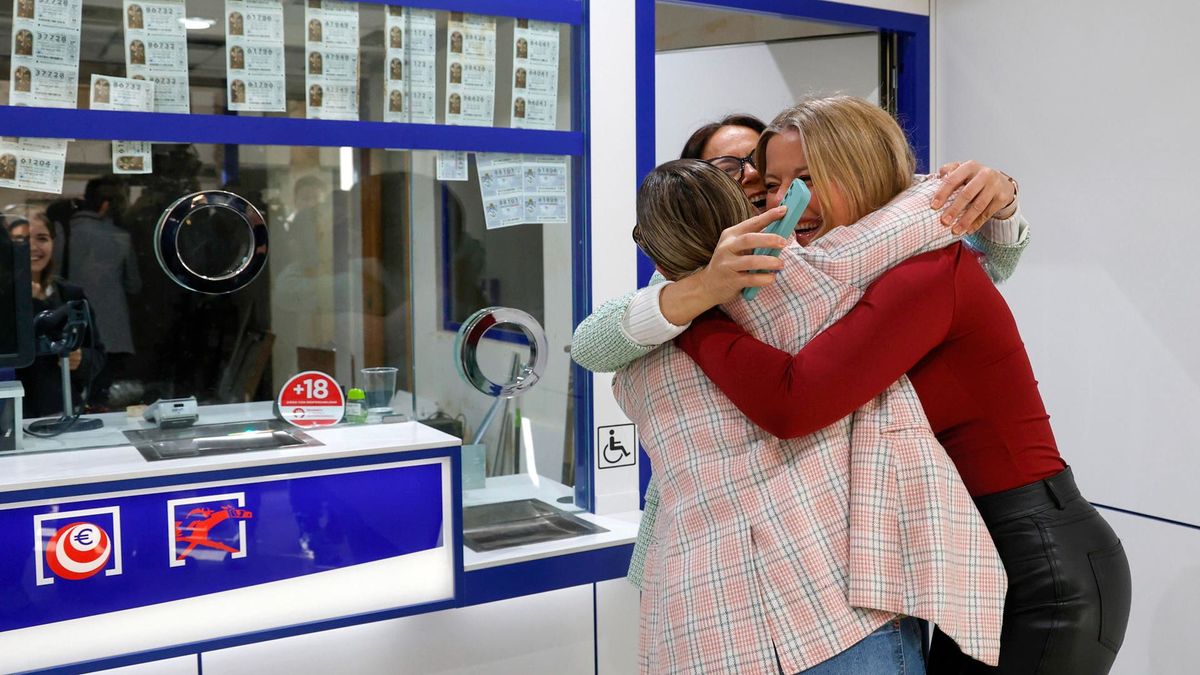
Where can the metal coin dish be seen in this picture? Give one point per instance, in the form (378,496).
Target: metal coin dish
(467,342)
(181,263)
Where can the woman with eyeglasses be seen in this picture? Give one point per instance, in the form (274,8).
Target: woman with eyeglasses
(633,325)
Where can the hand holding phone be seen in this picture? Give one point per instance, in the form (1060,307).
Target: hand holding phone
(796,200)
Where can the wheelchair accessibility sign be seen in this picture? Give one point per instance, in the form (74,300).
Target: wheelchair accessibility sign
(616,445)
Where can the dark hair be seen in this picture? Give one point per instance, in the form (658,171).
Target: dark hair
(694,148)
(103,189)
(47,276)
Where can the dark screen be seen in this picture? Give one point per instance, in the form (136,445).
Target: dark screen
(8,296)
(16,304)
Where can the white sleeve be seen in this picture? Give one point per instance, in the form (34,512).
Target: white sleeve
(644,322)
(1009,231)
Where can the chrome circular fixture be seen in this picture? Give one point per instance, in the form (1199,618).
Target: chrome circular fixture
(466,343)
(193,237)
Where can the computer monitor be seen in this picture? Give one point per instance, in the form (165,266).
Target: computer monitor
(16,304)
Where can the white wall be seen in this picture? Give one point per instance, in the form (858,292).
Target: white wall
(613,196)
(1089,104)
(757,78)
(546,633)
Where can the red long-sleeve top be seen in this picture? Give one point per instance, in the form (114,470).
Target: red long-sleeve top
(937,317)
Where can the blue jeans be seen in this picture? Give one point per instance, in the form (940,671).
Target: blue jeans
(896,648)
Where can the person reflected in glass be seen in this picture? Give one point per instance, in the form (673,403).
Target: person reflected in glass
(43,379)
(103,264)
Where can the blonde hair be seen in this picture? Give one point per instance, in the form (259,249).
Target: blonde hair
(682,208)
(852,146)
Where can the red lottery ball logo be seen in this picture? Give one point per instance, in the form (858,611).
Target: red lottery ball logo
(78,551)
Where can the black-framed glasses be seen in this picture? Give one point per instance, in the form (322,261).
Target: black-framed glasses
(734,167)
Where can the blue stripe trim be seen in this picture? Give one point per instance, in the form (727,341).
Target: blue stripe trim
(644,73)
(243,639)
(233,129)
(545,574)
(1147,516)
(456,525)
(199,664)
(183,480)
(912,92)
(561,11)
(581,205)
(818,10)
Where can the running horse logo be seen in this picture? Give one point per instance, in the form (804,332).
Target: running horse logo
(196,528)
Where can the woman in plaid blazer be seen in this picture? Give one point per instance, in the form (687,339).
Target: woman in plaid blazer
(782,555)
(1055,614)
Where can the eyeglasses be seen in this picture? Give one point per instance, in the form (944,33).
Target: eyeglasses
(734,167)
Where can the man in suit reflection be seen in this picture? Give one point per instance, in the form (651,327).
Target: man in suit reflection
(103,264)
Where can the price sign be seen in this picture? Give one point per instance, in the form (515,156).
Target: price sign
(311,399)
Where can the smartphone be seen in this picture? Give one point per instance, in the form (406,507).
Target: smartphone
(796,200)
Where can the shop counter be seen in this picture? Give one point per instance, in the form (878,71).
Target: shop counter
(107,554)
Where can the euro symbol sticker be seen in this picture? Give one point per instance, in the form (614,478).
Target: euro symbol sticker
(83,537)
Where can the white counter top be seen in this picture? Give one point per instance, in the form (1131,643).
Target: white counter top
(26,471)
(622,527)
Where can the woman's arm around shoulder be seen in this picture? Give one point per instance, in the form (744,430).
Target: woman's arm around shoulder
(1002,242)
(602,342)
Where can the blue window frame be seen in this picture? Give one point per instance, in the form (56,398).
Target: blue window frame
(233,130)
(912,87)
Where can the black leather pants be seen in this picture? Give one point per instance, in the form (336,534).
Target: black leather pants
(1068,585)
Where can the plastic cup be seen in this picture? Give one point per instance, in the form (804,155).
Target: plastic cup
(379,384)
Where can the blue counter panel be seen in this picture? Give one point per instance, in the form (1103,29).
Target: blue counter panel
(89,556)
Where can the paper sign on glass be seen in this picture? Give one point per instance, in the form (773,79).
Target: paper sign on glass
(45,53)
(156,50)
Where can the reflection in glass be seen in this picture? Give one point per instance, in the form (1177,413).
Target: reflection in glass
(214,243)
(373,275)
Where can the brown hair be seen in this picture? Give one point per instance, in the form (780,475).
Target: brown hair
(682,208)
(694,148)
(850,145)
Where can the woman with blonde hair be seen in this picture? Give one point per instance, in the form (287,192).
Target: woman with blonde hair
(775,555)
(948,329)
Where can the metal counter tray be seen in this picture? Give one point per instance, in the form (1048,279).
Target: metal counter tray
(217,439)
(527,521)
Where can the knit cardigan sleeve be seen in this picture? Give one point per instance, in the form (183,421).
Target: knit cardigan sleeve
(601,345)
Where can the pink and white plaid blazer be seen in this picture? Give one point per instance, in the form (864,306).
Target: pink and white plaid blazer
(805,546)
